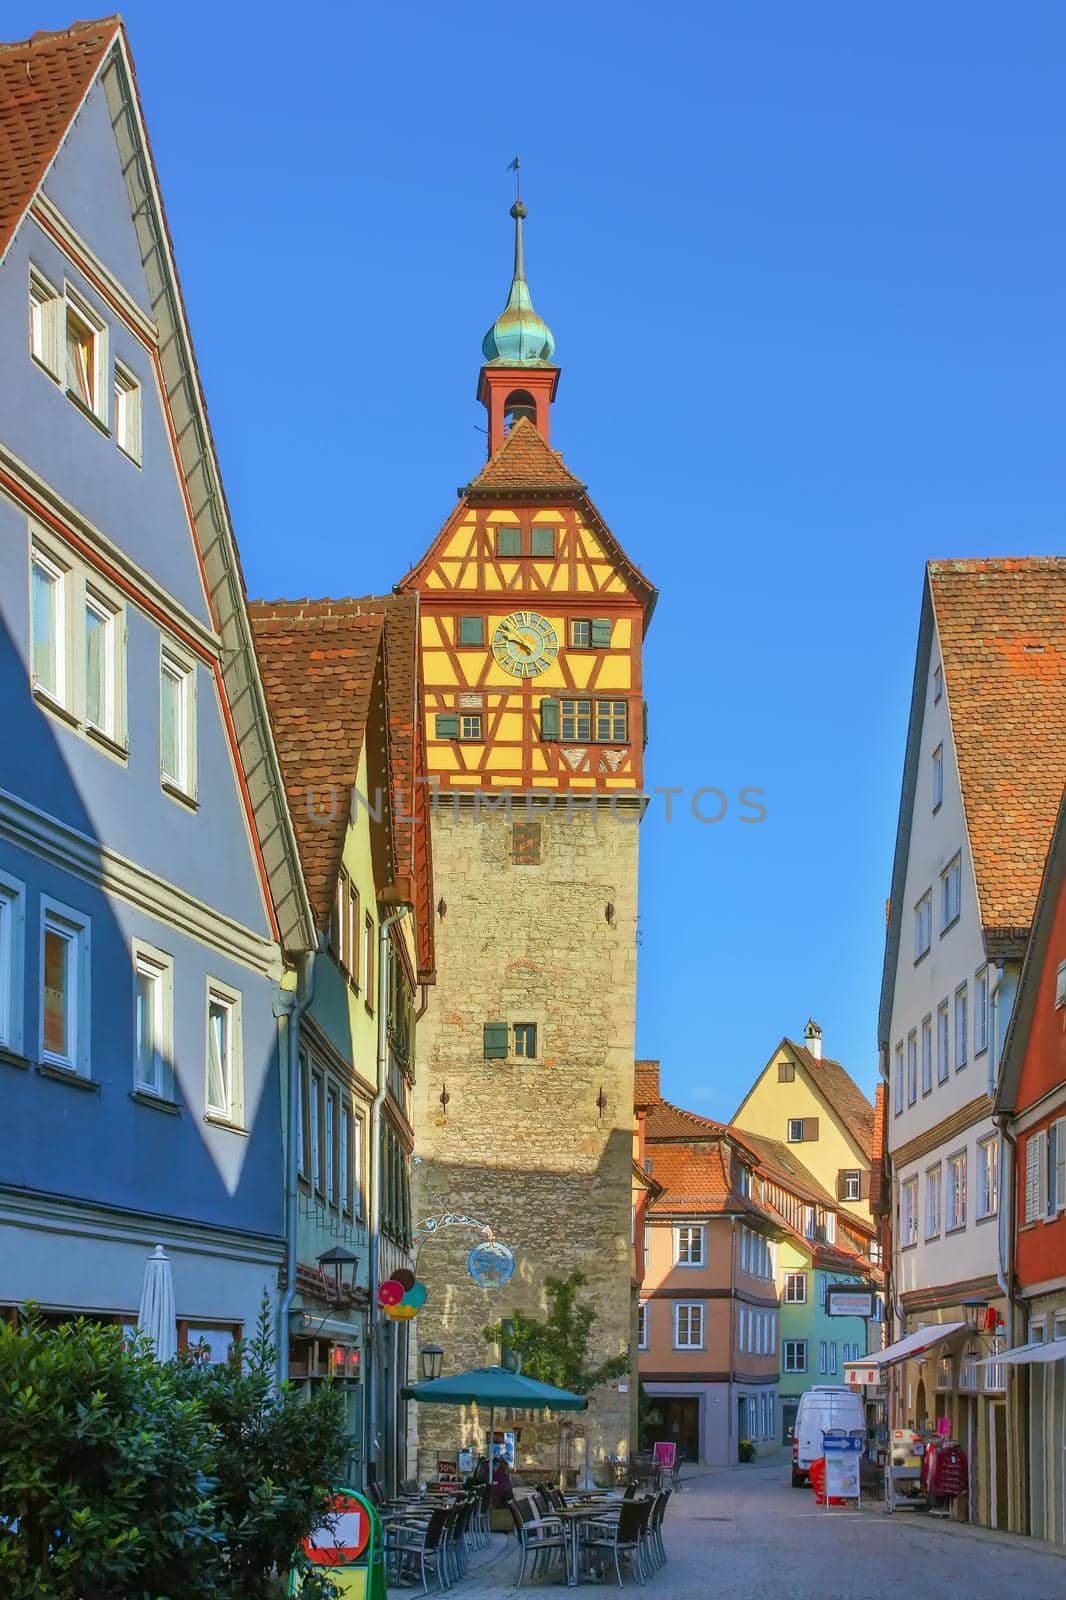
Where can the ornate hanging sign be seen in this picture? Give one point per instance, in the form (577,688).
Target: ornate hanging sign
(490,1264)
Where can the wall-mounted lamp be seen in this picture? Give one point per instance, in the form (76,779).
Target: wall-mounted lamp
(432,1359)
(338,1268)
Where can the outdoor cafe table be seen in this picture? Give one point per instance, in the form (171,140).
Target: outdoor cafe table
(574,1516)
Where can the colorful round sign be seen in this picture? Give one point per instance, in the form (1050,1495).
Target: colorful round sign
(390,1293)
(490,1264)
(404,1277)
(416,1296)
(401,1313)
(344,1538)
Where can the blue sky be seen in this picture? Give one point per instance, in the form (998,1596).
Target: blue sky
(804,267)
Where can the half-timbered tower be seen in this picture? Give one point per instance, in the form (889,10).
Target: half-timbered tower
(532,624)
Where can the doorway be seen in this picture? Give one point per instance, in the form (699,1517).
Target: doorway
(680,1424)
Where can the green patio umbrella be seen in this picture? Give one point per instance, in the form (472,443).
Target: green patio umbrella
(492,1387)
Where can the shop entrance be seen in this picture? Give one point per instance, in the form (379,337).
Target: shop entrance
(680,1424)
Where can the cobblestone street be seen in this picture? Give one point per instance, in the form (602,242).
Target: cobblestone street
(745,1531)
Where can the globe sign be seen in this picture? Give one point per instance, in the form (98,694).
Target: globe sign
(491,1264)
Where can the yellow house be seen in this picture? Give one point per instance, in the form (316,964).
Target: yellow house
(803,1098)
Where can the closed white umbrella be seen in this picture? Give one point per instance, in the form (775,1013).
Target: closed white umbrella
(156,1319)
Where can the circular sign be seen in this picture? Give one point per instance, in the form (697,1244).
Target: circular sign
(401,1313)
(490,1264)
(404,1277)
(416,1296)
(344,1538)
(390,1293)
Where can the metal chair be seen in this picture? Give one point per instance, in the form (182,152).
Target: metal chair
(654,1547)
(538,1539)
(424,1542)
(621,1538)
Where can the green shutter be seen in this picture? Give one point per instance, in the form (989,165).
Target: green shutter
(543,541)
(549,719)
(447,726)
(471,630)
(495,1041)
(601,633)
(508,541)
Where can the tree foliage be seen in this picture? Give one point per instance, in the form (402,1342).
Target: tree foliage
(123,1477)
(556,1350)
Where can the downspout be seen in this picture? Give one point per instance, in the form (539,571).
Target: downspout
(373,1264)
(731,1386)
(420,1013)
(1004,1229)
(290,1005)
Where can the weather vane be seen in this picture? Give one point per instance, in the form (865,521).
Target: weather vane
(516,168)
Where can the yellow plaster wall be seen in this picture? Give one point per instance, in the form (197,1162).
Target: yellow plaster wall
(771,1104)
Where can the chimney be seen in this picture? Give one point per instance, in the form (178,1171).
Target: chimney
(812,1038)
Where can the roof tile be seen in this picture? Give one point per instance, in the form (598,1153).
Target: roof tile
(1002,631)
(43,80)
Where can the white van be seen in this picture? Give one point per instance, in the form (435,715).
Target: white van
(826,1405)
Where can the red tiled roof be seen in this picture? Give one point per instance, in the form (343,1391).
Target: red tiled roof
(667,1121)
(842,1093)
(525,461)
(778,1161)
(694,1178)
(645,1084)
(318,672)
(1002,631)
(43,81)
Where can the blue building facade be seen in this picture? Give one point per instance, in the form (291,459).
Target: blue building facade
(150,895)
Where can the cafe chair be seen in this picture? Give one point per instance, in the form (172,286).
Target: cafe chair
(420,1546)
(620,1539)
(540,1541)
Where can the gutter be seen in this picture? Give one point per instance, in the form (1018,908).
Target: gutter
(373,1265)
(289,1007)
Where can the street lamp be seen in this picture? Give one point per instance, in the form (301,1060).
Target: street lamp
(338,1268)
(973,1309)
(432,1358)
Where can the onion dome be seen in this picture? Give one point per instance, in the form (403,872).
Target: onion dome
(518,337)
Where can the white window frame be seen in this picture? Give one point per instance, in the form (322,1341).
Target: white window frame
(158,966)
(938,683)
(853,1184)
(232,1114)
(695,1235)
(923,925)
(938,777)
(898,1103)
(76,302)
(987,1198)
(112,729)
(912,1066)
(934,1200)
(59,571)
(955,1215)
(943,1042)
(794,1122)
(1056,1167)
(693,1308)
(794,1355)
(833,1353)
(792,1279)
(128,408)
(642,1324)
(46,311)
(1060,986)
(927,1054)
(980,1011)
(962,1031)
(951,892)
(823,1360)
(908,1211)
(179,665)
(76,928)
(12,962)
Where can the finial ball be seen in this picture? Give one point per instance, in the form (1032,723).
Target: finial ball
(519,210)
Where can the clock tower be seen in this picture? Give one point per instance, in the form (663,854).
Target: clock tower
(532,627)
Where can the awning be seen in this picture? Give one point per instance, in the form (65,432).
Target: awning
(913,1344)
(1028,1355)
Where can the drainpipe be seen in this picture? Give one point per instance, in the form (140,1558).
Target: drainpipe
(374,1234)
(424,1006)
(290,1005)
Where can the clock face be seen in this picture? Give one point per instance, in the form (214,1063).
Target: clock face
(525,644)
